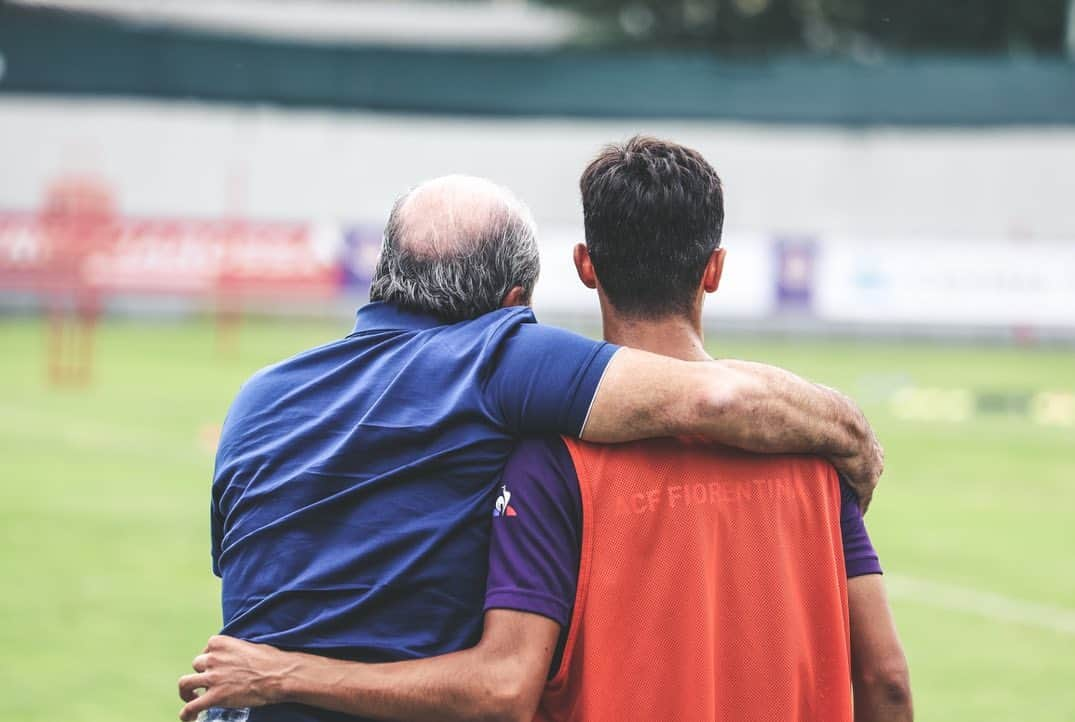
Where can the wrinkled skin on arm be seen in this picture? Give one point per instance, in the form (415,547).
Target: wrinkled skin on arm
(737,403)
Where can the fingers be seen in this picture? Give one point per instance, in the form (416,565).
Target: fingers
(189,684)
(864,493)
(879,469)
(190,712)
(196,704)
(216,643)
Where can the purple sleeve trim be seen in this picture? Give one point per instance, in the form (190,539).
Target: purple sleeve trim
(860,557)
(862,568)
(520,600)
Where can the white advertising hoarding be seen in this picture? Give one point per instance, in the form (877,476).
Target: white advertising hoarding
(945,281)
(806,207)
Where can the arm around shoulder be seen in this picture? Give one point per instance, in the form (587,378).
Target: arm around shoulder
(738,403)
(498,680)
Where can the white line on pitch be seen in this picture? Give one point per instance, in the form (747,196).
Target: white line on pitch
(983,604)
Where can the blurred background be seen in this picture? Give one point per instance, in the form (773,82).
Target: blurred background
(192,189)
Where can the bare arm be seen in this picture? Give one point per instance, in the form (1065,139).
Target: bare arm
(878,666)
(499,679)
(738,403)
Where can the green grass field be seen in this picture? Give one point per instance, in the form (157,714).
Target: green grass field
(106,590)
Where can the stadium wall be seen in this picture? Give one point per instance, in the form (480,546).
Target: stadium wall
(80,53)
(828,228)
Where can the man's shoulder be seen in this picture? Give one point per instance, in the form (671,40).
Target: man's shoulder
(542,465)
(522,327)
(267,378)
(297,362)
(487,336)
(539,452)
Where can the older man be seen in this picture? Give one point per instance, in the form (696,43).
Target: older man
(353,481)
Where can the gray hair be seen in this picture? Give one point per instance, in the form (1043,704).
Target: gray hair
(467,276)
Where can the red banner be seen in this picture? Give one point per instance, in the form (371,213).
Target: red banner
(54,254)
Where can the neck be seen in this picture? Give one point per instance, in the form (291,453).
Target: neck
(676,336)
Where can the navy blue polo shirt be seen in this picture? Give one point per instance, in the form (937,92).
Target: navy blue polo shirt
(353,482)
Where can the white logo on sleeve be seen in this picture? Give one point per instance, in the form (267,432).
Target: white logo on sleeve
(503,508)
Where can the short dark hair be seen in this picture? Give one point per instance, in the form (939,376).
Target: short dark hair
(654,212)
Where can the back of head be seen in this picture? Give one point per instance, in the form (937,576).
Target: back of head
(454,247)
(654,211)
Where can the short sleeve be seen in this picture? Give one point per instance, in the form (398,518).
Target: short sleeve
(860,557)
(537,528)
(545,379)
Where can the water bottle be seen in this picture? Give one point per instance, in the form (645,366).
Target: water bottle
(223,714)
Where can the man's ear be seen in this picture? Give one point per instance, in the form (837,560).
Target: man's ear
(584,266)
(713,270)
(515,297)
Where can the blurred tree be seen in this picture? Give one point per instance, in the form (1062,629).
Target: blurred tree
(855,27)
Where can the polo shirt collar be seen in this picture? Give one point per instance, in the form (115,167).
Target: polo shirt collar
(381,316)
